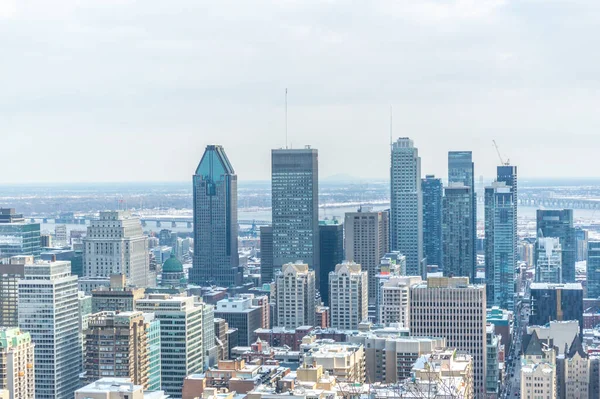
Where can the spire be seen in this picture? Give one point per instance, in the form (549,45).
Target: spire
(577,347)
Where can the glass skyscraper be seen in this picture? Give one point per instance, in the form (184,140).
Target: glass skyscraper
(295,207)
(457,231)
(433,192)
(593,269)
(331,235)
(500,245)
(461,169)
(559,223)
(216,259)
(18,237)
(406,213)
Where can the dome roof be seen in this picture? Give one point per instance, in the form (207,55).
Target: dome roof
(172,265)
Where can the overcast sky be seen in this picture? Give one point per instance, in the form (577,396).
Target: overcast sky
(118,90)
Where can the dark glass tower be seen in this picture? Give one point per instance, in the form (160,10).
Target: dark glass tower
(461,169)
(560,302)
(593,269)
(457,231)
(266,254)
(295,207)
(559,223)
(432,219)
(216,259)
(331,235)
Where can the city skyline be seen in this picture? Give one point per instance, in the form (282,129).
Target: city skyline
(105,75)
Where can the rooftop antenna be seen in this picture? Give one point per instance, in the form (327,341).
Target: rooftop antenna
(286,129)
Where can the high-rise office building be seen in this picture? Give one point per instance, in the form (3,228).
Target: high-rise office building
(241,314)
(433,192)
(548,268)
(295,207)
(457,231)
(117,298)
(266,254)
(154,355)
(406,217)
(393,305)
(115,243)
(500,245)
(560,302)
(348,302)
(454,309)
(17,371)
(49,311)
(559,223)
(367,241)
(10,274)
(593,269)
(461,169)
(17,237)
(209,345)
(295,293)
(117,346)
(581,240)
(180,335)
(216,259)
(331,248)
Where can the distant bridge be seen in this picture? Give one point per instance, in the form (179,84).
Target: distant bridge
(158,220)
(549,201)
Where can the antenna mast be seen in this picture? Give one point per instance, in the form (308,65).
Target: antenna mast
(286,129)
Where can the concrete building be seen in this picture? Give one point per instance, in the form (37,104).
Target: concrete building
(241,314)
(216,259)
(576,369)
(17,237)
(394,300)
(433,192)
(593,269)
(220,333)
(295,207)
(538,369)
(344,361)
(406,216)
(559,223)
(49,311)
(331,248)
(295,293)
(454,309)
(10,274)
(348,302)
(445,373)
(458,239)
(209,344)
(500,245)
(116,298)
(366,242)
(117,346)
(390,353)
(562,333)
(116,388)
(181,337)
(548,268)
(17,370)
(560,302)
(493,374)
(266,254)
(115,244)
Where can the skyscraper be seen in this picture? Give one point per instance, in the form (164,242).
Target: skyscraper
(295,207)
(457,231)
(549,260)
(115,243)
(216,259)
(406,219)
(367,241)
(432,220)
(18,237)
(461,169)
(17,369)
(9,290)
(559,223)
(560,302)
(49,311)
(593,269)
(500,245)
(331,248)
(454,309)
(266,254)
(295,296)
(348,302)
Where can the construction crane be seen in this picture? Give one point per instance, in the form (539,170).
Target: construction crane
(507,163)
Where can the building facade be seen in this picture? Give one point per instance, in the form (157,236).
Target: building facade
(433,192)
(266,254)
(548,267)
(559,224)
(295,293)
(10,275)
(348,302)
(240,313)
(18,237)
(457,231)
(406,216)
(331,248)
(49,311)
(454,309)
(17,370)
(115,243)
(593,269)
(394,300)
(366,242)
(216,259)
(560,302)
(295,207)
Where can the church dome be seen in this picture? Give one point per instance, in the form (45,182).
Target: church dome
(172,265)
